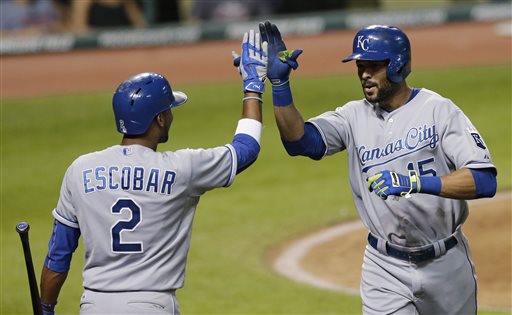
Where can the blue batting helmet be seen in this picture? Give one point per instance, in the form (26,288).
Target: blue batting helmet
(138,100)
(379,43)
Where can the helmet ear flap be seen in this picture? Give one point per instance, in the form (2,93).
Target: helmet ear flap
(398,69)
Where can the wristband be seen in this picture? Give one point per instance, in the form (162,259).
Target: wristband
(252,98)
(430,185)
(282,94)
(249,127)
(48,308)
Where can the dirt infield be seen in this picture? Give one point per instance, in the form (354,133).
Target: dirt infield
(338,260)
(89,70)
(488,229)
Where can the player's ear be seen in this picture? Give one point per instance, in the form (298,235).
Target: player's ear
(160,120)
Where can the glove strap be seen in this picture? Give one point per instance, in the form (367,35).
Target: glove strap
(413,178)
(257,87)
(282,94)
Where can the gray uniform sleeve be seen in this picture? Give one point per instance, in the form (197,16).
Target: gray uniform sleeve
(210,168)
(334,128)
(462,143)
(65,212)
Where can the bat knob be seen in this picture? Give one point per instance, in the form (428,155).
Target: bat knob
(22,227)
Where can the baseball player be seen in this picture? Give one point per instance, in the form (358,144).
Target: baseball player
(413,160)
(134,206)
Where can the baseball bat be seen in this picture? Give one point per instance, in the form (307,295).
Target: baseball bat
(22,229)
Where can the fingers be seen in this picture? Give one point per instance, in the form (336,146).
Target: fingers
(251,44)
(236,59)
(268,31)
(295,54)
(278,40)
(371,181)
(263,32)
(257,44)
(264,50)
(245,40)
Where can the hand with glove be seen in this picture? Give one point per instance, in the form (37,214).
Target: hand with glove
(280,63)
(387,183)
(252,64)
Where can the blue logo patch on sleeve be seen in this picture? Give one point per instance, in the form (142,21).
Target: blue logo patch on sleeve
(478,140)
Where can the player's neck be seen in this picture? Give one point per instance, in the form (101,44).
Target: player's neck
(398,99)
(143,141)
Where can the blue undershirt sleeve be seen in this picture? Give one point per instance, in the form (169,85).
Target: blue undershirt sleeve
(247,150)
(485,182)
(62,244)
(311,144)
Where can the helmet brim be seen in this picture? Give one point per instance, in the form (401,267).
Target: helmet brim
(351,57)
(180,98)
(370,56)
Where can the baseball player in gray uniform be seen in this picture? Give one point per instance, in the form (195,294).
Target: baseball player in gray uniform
(413,159)
(134,206)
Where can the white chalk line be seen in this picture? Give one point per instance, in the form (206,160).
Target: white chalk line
(288,265)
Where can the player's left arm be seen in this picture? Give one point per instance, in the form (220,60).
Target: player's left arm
(464,183)
(63,242)
(252,66)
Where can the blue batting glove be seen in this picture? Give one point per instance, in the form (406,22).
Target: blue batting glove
(252,64)
(387,183)
(280,60)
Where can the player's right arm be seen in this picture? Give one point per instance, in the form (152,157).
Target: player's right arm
(51,283)
(298,138)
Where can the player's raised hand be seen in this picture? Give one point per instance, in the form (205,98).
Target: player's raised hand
(252,64)
(280,60)
(387,183)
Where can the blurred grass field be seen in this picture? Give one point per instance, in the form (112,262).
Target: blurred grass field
(276,199)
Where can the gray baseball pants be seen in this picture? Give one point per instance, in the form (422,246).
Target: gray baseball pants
(441,286)
(139,302)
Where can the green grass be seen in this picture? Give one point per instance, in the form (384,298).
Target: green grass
(277,198)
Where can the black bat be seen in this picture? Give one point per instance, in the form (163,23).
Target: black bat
(22,229)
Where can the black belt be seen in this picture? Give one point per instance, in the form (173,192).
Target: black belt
(414,256)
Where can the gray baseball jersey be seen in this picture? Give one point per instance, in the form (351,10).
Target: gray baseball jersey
(135,208)
(429,134)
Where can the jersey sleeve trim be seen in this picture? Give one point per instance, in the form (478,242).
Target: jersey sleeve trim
(64,220)
(482,165)
(233,165)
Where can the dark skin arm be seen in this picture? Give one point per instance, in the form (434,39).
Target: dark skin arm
(252,108)
(289,122)
(51,283)
(458,185)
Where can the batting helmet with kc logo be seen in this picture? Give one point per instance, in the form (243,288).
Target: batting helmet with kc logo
(379,43)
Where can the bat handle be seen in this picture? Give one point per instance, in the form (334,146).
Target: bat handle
(22,229)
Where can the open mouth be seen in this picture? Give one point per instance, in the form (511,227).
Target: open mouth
(369,88)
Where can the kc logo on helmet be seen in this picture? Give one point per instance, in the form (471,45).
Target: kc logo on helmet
(363,42)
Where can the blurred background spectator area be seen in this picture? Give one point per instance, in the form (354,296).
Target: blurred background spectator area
(83,16)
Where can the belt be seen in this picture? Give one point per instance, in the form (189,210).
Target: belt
(414,256)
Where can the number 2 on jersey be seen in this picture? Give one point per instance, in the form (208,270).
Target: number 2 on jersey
(117,245)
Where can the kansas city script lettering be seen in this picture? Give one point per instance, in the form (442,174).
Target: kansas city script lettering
(415,139)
